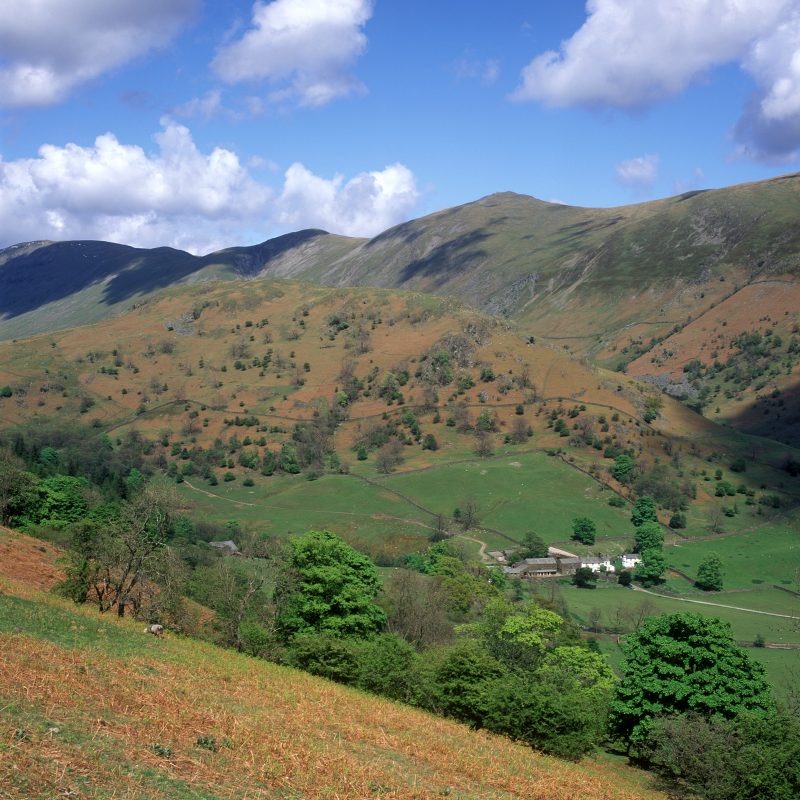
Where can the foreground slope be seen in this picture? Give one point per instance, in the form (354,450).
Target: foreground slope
(91,707)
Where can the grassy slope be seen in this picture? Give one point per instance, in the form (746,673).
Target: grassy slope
(520,489)
(92,707)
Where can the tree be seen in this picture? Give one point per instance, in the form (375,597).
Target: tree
(585,578)
(719,759)
(709,574)
(468,514)
(624,578)
(330,588)
(116,556)
(652,568)
(18,489)
(624,468)
(416,608)
(644,510)
(533,546)
(483,444)
(583,530)
(681,663)
(648,536)
(389,456)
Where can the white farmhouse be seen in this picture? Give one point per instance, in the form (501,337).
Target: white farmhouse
(598,563)
(630,560)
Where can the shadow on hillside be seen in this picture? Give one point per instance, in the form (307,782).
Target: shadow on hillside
(773,417)
(56,271)
(406,233)
(250,261)
(448,259)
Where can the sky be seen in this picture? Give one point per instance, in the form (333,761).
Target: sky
(201,124)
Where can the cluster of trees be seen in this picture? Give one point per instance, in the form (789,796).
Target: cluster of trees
(444,634)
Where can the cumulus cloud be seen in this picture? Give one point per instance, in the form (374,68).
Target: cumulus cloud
(49,47)
(364,205)
(180,196)
(639,173)
(769,127)
(633,53)
(630,53)
(305,47)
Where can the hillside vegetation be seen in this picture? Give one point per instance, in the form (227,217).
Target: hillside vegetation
(91,707)
(277,407)
(641,286)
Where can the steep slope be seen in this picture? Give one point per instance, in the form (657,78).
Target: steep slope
(91,707)
(589,274)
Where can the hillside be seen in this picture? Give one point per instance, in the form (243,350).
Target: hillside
(91,707)
(636,287)
(282,407)
(48,286)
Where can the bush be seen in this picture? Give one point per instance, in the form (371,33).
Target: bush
(327,656)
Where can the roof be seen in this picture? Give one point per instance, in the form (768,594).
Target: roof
(632,555)
(228,544)
(569,560)
(540,562)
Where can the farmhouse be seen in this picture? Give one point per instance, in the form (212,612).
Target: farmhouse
(568,565)
(597,563)
(630,560)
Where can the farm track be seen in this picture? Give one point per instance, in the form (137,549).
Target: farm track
(708,603)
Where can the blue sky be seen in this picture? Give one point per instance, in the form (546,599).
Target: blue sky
(202,123)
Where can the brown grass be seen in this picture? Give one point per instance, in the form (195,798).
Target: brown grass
(279,733)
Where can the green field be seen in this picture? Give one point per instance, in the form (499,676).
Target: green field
(369,517)
(520,493)
(616,604)
(768,555)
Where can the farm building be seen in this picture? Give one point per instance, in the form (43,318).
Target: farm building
(568,565)
(630,560)
(538,567)
(597,563)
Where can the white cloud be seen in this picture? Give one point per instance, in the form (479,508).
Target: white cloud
(207,106)
(633,53)
(49,47)
(306,47)
(770,124)
(365,205)
(639,173)
(630,53)
(182,197)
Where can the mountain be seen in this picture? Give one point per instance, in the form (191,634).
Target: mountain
(622,286)
(46,286)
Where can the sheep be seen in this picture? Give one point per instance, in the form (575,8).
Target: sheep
(156,630)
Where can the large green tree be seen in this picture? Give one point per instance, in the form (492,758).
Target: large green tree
(329,588)
(644,510)
(584,530)
(681,663)
(709,574)
(648,536)
(652,567)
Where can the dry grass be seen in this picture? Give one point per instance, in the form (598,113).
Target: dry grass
(29,560)
(83,722)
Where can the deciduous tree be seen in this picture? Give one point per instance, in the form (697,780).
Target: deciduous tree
(677,663)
